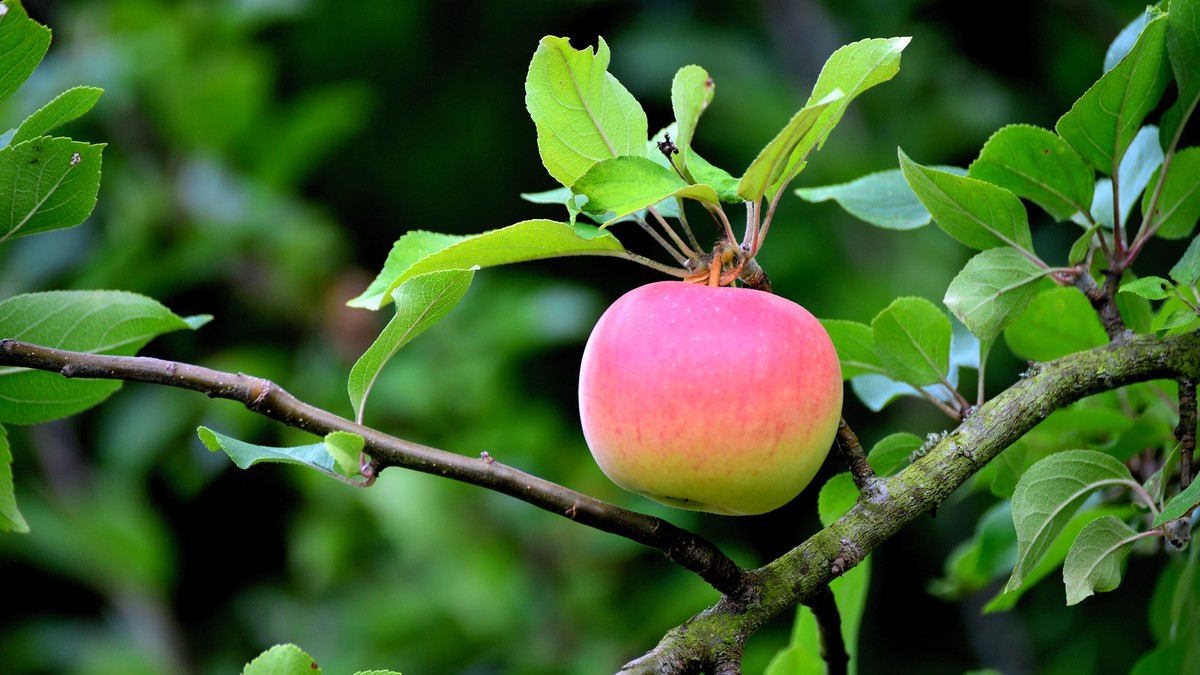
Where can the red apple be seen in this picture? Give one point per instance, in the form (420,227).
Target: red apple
(712,399)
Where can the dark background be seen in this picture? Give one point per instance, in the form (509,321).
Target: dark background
(263,156)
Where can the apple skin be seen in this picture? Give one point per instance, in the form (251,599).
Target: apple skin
(724,400)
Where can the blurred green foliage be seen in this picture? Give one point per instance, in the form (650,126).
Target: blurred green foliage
(262,155)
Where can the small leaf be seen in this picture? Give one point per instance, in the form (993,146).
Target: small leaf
(852,69)
(524,241)
(10,518)
(282,660)
(582,113)
(836,498)
(421,301)
(993,290)
(1102,123)
(883,199)
(1038,165)
(1049,493)
(912,340)
(1058,321)
(855,347)
(97,322)
(67,106)
(346,449)
(892,453)
(246,455)
(1082,245)
(691,91)
(1094,561)
(1173,320)
(1180,505)
(1187,270)
(23,43)
(1178,206)
(50,184)
(1057,553)
(978,214)
(1151,288)
(1183,50)
(623,185)
(776,159)
(1142,158)
(725,185)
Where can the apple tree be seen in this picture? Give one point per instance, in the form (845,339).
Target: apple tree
(710,391)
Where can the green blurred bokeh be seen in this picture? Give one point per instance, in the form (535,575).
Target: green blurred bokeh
(263,155)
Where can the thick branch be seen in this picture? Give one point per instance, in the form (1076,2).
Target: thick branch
(268,399)
(829,626)
(800,574)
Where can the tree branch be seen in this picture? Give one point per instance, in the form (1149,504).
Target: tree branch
(797,576)
(711,641)
(269,400)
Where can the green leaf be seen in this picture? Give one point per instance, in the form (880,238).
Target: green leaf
(796,660)
(855,347)
(421,301)
(1057,553)
(23,43)
(1102,123)
(1174,320)
(912,340)
(892,453)
(49,184)
(1125,40)
(524,241)
(775,161)
(852,69)
(1049,493)
(582,113)
(1183,50)
(836,498)
(1151,288)
(1187,270)
(283,660)
(97,322)
(973,564)
(245,455)
(10,518)
(1058,321)
(1178,206)
(1036,164)
(1094,562)
(978,214)
(702,172)
(691,92)
(623,185)
(883,199)
(993,290)
(1082,245)
(1180,505)
(1142,158)
(67,106)
(346,449)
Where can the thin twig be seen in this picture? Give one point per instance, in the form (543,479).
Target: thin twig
(269,400)
(855,458)
(829,628)
(1185,431)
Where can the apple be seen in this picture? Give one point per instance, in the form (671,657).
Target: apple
(716,399)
